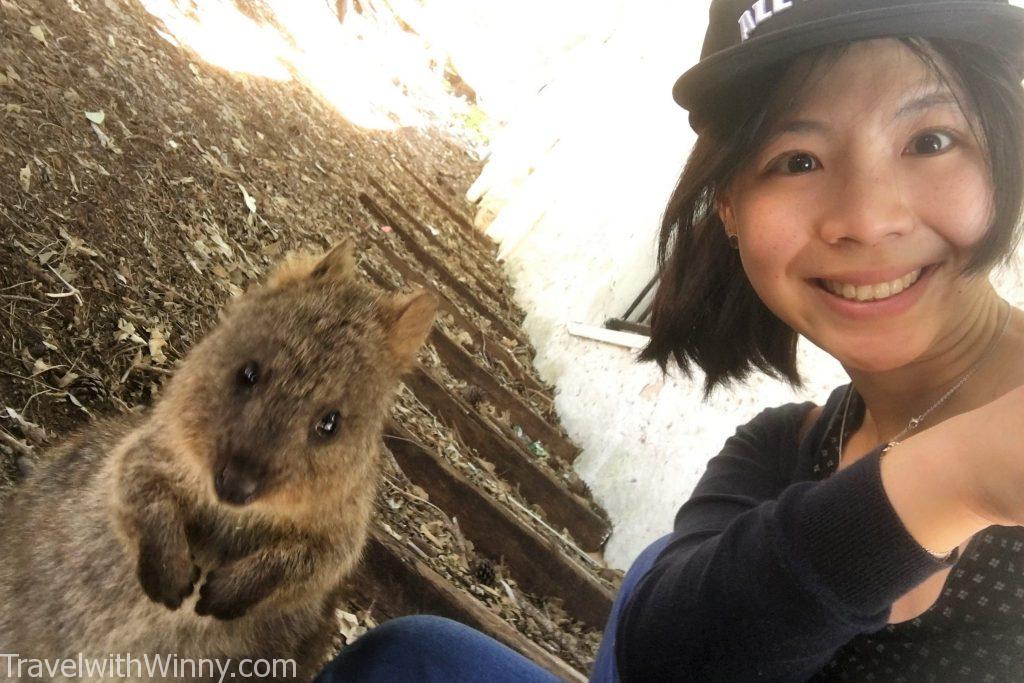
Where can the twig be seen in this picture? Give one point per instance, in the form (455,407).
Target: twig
(18,297)
(415,547)
(544,524)
(74,290)
(413,496)
(18,446)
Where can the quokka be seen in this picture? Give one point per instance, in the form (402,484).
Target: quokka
(220,524)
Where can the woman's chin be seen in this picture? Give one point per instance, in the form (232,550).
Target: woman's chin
(863,361)
(870,354)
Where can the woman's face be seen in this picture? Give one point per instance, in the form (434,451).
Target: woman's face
(871,182)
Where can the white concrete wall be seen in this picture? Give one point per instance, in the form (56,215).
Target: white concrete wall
(574,192)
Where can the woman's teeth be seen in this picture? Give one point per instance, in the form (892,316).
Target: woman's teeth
(877,292)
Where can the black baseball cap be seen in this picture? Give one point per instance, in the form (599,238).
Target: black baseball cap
(744,37)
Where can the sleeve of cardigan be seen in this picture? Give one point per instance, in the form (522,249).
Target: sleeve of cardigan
(764,580)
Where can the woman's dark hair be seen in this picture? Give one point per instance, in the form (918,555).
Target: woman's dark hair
(705,311)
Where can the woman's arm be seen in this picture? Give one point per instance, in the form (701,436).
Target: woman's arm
(764,580)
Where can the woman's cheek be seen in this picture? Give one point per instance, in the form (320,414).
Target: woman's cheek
(767,261)
(956,203)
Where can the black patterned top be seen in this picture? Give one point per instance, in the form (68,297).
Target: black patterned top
(782,569)
(974,631)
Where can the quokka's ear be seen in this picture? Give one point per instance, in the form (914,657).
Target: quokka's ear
(294,268)
(339,263)
(412,316)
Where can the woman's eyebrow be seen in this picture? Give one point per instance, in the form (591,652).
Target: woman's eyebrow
(926,101)
(934,98)
(800,126)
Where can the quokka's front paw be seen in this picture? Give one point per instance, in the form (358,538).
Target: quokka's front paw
(219,598)
(167,578)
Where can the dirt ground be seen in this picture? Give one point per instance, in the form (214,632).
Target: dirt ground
(140,188)
(121,240)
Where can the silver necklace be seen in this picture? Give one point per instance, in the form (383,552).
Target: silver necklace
(914,422)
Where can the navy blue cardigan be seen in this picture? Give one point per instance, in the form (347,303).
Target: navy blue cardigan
(770,572)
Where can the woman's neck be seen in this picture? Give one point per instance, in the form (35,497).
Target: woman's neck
(894,397)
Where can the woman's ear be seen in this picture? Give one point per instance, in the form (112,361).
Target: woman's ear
(723,207)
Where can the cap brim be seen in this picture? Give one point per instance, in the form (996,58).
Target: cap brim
(998,26)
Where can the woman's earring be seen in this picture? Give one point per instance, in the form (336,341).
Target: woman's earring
(734,240)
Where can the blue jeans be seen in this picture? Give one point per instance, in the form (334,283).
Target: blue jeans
(427,648)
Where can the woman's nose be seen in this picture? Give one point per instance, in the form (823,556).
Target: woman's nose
(867,206)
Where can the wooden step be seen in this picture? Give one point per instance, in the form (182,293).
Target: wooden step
(392,576)
(512,463)
(428,260)
(429,236)
(463,366)
(466,227)
(492,348)
(540,565)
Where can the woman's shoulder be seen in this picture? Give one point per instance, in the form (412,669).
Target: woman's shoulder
(795,428)
(809,419)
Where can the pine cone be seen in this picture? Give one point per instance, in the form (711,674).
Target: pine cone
(89,387)
(483,571)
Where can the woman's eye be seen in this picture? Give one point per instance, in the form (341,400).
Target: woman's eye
(931,142)
(795,164)
(328,425)
(801,163)
(249,374)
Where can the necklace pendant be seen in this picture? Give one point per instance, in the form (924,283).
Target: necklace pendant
(913,423)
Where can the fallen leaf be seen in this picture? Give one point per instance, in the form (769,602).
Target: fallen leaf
(348,624)
(78,404)
(41,366)
(31,430)
(128,332)
(96,117)
(157,341)
(25,176)
(37,33)
(105,140)
(249,201)
(67,379)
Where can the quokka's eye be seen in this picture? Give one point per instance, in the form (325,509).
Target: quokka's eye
(329,425)
(249,374)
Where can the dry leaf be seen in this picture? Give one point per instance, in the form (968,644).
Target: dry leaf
(25,176)
(67,379)
(105,140)
(41,366)
(157,342)
(96,117)
(349,626)
(31,430)
(37,33)
(249,201)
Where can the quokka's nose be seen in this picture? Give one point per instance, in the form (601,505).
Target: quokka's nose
(235,484)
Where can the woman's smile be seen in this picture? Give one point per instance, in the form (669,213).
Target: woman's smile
(887,298)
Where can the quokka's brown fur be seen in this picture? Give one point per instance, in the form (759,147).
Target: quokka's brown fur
(220,524)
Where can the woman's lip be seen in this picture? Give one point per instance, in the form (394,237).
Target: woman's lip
(872,277)
(894,305)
